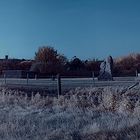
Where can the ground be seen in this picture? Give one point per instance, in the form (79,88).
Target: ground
(80,114)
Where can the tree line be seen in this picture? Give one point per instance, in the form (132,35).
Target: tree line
(48,61)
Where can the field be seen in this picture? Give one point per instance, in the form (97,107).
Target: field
(99,113)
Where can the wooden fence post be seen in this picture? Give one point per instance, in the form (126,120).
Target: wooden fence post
(93,75)
(4,78)
(27,78)
(136,73)
(58,85)
(35,76)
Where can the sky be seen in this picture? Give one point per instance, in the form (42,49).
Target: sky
(82,28)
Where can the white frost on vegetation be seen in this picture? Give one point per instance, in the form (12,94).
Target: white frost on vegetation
(80,112)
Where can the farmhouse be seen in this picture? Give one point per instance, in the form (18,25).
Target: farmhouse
(14,68)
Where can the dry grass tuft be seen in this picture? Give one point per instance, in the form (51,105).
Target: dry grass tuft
(80,114)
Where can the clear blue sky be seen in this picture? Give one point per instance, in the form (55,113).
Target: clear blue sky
(82,28)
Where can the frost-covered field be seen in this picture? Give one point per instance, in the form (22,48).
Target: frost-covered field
(82,114)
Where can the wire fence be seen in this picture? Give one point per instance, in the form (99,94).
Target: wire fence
(60,83)
(51,82)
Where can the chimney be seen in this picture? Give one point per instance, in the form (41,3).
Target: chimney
(6,57)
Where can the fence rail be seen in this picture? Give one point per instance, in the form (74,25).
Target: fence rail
(59,84)
(66,83)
